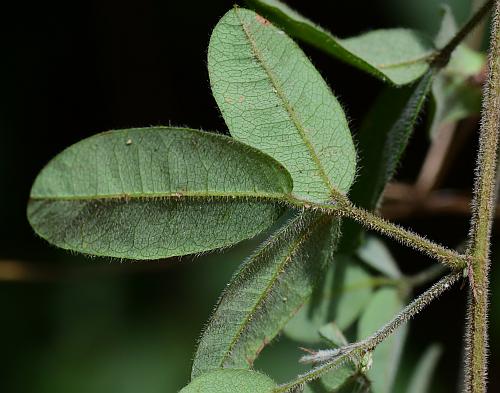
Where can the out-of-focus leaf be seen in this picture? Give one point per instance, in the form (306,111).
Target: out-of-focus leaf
(272,98)
(376,255)
(399,56)
(465,62)
(333,380)
(331,333)
(357,384)
(156,192)
(341,298)
(454,95)
(379,164)
(385,303)
(266,292)
(421,379)
(448,27)
(453,101)
(230,381)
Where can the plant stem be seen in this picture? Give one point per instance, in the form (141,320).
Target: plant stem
(482,213)
(443,56)
(412,309)
(351,352)
(343,207)
(448,257)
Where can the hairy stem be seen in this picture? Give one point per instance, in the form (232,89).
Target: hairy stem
(448,257)
(482,214)
(443,56)
(344,207)
(331,359)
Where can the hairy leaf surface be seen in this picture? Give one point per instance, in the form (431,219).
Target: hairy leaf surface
(385,303)
(156,192)
(231,381)
(345,290)
(272,98)
(266,292)
(399,56)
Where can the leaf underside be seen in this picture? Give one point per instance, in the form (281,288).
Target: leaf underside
(273,98)
(230,381)
(399,56)
(156,192)
(266,292)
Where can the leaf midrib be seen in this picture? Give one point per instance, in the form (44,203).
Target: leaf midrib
(416,60)
(289,109)
(279,271)
(173,195)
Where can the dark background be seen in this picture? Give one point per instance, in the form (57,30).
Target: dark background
(69,70)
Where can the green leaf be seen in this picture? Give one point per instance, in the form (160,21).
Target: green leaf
(465,62)
(345,292)
(454,94)
(266,292)
(359,384)
(448,27)
(453,100)
(331,333)
(333,380)
(398,56)
(421,379)
(376,255)
(272,98)
(230,381)
(385,303)
(156,192)
(384,137)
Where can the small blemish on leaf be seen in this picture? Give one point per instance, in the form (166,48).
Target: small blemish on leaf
(241,99)
(128,142)
(263,21)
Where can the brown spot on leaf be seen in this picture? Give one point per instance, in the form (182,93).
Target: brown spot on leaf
(263,21)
